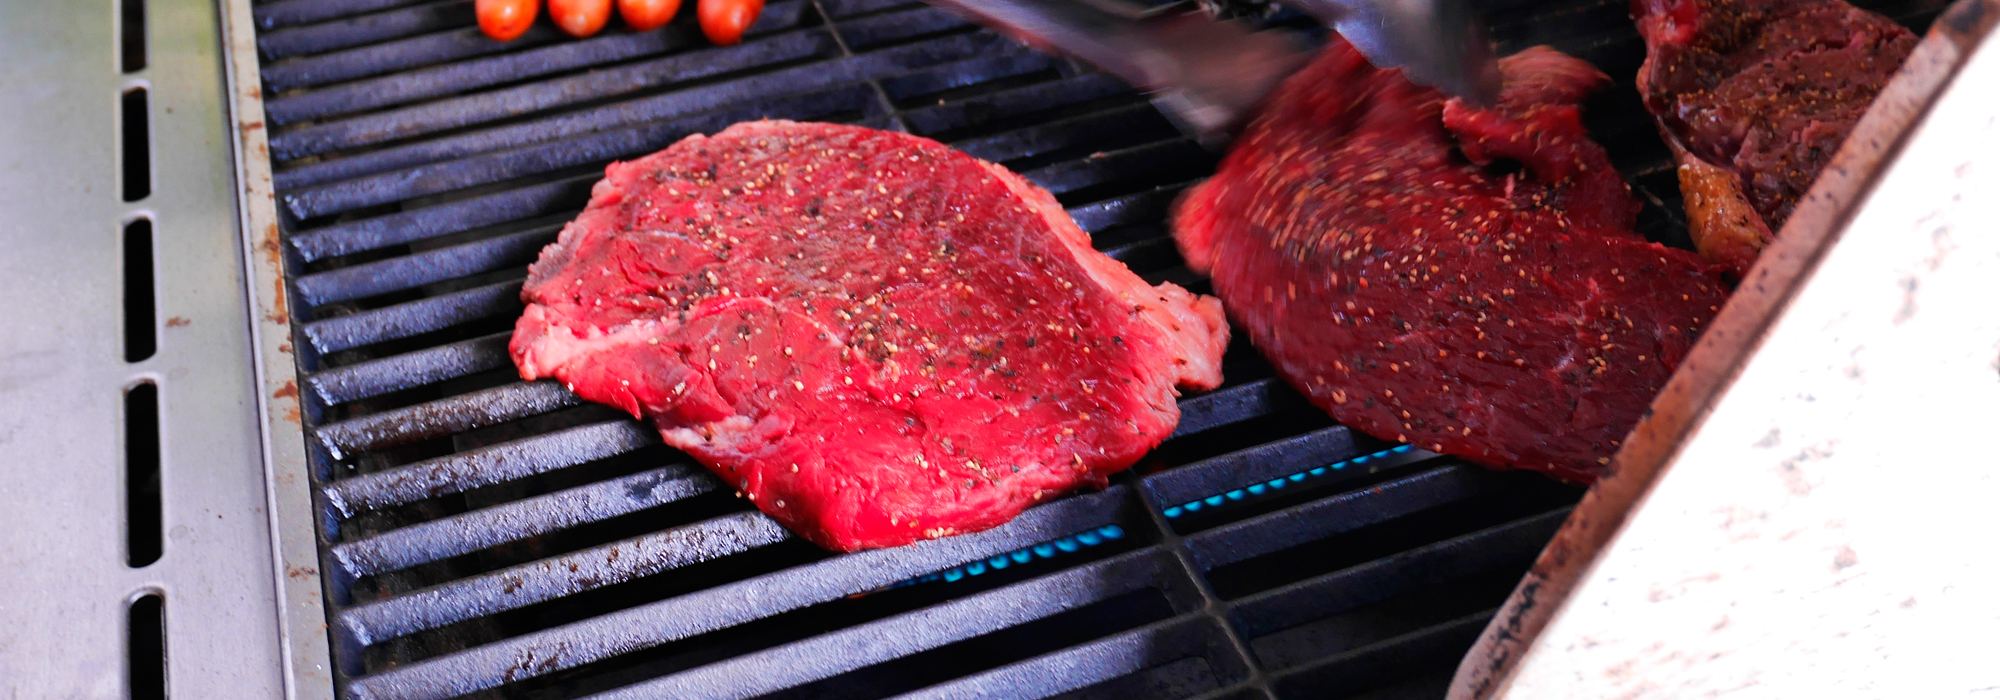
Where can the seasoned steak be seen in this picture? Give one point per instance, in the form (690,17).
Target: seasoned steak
(875,338)
(1754,97)
(1464,280)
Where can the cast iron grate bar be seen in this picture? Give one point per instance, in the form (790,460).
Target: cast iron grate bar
(603,146)
(1494,548)
(680,101)
(414,318)
(455,217)
(1240,469)
(470,532)
(855,647)
(723,606)
(443,417)
(1435,646)
(1103,660)
(1367,464)
(1320,519)
(501,526)
(536,582)
(428,267)
(486,466)
(457,112)
(366,61)
(367,29)
(372,378)
(283,13)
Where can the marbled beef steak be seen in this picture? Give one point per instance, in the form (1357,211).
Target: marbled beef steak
(1754,97)
(1465,280)
(876,338)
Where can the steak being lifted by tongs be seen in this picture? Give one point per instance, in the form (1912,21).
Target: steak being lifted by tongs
(1373,240)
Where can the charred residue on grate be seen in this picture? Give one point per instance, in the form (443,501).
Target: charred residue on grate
(489,538)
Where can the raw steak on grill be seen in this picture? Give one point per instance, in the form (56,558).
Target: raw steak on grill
(876,338)
(1375,244)
(1754,97)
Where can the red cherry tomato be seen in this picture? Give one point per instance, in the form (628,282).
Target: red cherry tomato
(724,21)
(580,18)
(648,15)
(506,20)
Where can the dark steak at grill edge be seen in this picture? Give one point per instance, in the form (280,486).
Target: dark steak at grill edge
(875,338)
(1373,243)
(1754,97)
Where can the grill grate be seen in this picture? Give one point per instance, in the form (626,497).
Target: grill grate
(484,537)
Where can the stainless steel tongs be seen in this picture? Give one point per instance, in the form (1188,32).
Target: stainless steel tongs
(1208,74)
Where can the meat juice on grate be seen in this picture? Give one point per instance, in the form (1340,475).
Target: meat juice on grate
(876,338)
(1465,280)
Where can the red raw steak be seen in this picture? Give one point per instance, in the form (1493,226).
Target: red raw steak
(1368,237)
(1754,97)
(876,338)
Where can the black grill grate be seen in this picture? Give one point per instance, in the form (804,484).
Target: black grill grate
(489,538)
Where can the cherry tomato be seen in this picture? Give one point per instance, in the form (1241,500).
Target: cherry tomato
(648,15)
(506,20)
(724,21)
(580,18)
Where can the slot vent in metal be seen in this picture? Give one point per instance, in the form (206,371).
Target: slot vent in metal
(136,144)
(141,316)
(146,648)
(142,475)
(131,35)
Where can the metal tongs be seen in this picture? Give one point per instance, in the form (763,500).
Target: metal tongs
(1208,74)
